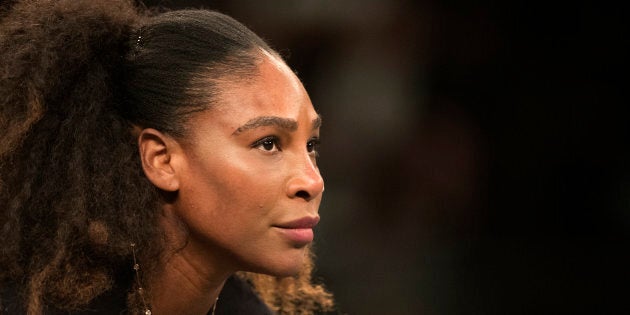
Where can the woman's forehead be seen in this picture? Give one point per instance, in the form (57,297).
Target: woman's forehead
(274,91)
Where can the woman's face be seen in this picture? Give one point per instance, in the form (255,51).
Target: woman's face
(249,187)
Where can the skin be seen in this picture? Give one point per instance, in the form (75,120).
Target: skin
(247,169)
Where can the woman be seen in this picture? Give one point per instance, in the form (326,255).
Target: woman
(146,160)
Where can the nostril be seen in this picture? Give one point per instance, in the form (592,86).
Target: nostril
(303,194)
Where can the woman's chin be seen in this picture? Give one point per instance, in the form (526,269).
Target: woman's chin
(284,265)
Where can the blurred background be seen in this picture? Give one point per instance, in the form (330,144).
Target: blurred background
(475,153)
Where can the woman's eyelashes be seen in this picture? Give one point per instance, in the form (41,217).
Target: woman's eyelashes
(312,146)
(271,144)
(268,144)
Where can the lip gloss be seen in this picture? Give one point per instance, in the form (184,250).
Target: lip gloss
(299,231)
(301,236)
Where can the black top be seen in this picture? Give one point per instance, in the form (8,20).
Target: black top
(236,298)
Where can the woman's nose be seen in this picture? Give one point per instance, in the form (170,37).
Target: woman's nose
(306,181)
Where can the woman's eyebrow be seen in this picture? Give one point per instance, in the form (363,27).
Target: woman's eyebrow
(317,122)
(284,123)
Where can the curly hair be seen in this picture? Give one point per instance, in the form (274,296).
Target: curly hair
(76,76)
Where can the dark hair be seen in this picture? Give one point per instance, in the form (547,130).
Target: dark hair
(75,77)
(176,60)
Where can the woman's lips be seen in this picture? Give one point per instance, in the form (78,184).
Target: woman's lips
(299,237)
(301,223)
(299,231)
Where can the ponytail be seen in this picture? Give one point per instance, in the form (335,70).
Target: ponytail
(53,50)
(69,173)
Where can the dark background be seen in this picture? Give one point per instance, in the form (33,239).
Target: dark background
(475,153)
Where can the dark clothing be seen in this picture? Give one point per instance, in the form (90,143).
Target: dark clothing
(236,298)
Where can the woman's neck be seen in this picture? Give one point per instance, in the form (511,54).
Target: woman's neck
(189,279)
(183,287)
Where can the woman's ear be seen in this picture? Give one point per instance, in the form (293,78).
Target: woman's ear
(157,152)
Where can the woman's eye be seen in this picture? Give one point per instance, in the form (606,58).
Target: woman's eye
(312,146)
(268,144)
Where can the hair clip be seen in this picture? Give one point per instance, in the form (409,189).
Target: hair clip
(139,38)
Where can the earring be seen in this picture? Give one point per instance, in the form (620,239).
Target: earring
(136,268)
